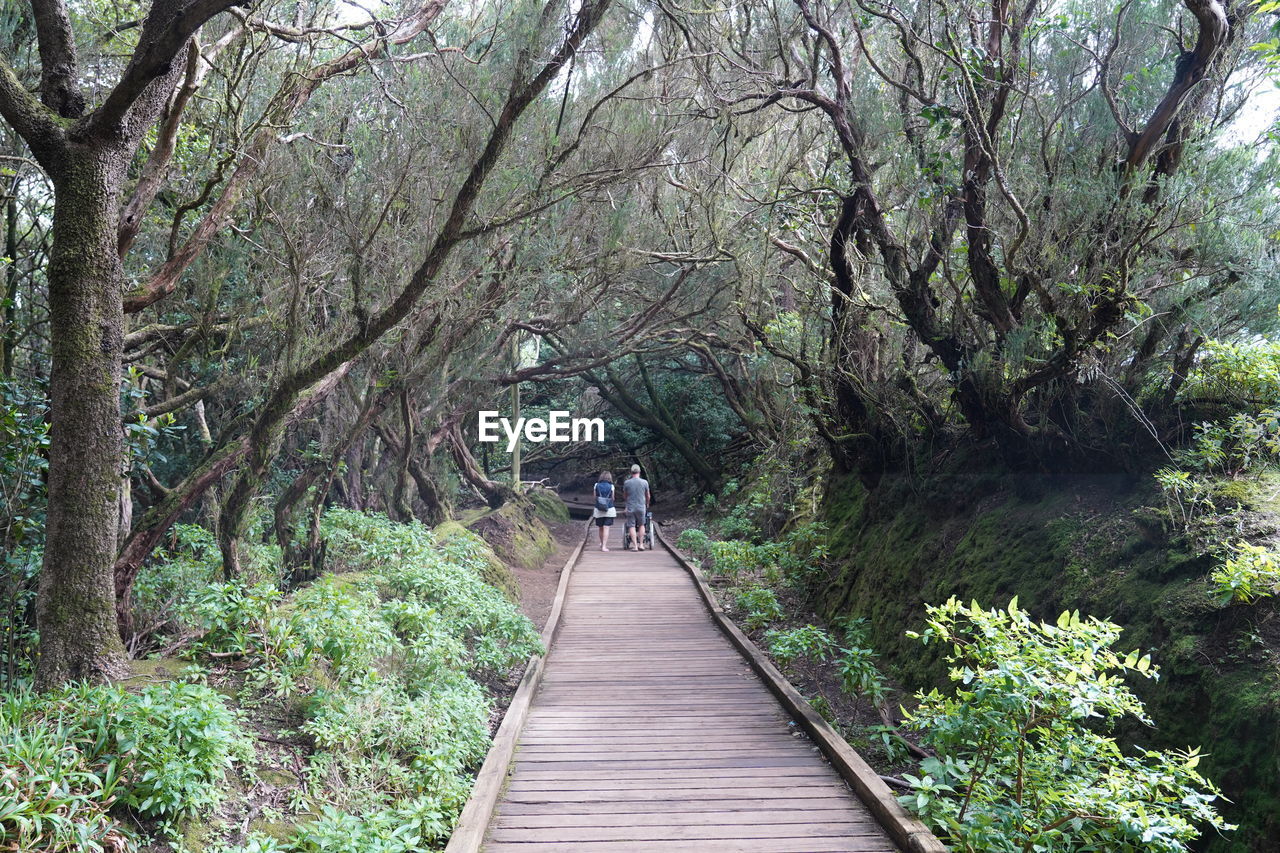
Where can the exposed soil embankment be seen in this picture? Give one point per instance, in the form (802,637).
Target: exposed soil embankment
(1099,544)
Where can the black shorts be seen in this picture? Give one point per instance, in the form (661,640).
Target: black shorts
(604,521)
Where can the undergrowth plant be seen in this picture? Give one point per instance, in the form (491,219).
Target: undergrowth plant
(794,644)
(1024,759)
(387,656)
(1252,573)
(70,759)
(760,606)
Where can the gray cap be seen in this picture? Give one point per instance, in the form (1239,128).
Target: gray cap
(635,469)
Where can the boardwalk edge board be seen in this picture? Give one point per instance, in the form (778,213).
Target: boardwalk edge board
(905,830)
(469,832)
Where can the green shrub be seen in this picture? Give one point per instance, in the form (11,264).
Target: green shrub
(694,542)
(859,674)
(1241,373)
(387,655)
(173,574)
(735,557)
(808,642)
(71,756)
(1187,497)
(760,605)
(1242,442)
(1023,758)
(19,570)
(803,553)
(1253,573)
(409,827)
(52,797)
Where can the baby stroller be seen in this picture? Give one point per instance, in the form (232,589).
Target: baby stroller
(648,532)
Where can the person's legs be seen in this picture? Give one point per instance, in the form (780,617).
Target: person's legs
(604,533)
(640,527)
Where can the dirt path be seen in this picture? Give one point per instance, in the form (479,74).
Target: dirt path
(538,586)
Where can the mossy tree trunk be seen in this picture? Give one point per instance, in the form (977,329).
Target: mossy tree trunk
(76,604)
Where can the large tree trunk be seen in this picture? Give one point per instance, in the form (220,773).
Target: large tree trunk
(75,607)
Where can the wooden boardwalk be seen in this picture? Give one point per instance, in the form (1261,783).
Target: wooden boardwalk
(649,732)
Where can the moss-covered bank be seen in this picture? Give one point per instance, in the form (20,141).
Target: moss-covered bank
(1088,542)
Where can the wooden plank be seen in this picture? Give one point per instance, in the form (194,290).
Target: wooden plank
(837,793)
(574,834)
(739,786)
(674,818)
(811,771)
(669,806)
(754,845)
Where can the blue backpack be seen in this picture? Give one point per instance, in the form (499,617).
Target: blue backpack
(604,496)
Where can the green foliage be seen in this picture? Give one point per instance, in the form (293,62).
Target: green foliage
(24,444)
(1253,573)
(803,554)
(69,757)
(19,569)
(1241,443)
(1188,498)
(406,828)
(1024,761)
(695,542)
(760,605)
(807,642)
(734,557)
(168,580)
(1243,373)
(386,656)
(859,673)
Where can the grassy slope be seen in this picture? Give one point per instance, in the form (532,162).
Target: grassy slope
(1076,542)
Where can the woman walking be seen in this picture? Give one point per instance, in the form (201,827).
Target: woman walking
(604,511)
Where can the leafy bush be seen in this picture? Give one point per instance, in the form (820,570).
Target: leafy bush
(70,756)
(694,542)
(859,674)
(19,569)
(804,551)
(24,446)
(1242,373)
(51,797)
(1242,442)
(387,655)
(1024,761)
(24,443)
(1186,497)
(793,644)
(410,827)
(1254,572)
(735,557)
(760,605)
(166,582)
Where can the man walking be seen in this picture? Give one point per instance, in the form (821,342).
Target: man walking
(636,491)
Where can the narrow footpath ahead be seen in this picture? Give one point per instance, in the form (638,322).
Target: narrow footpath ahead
(649,732)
